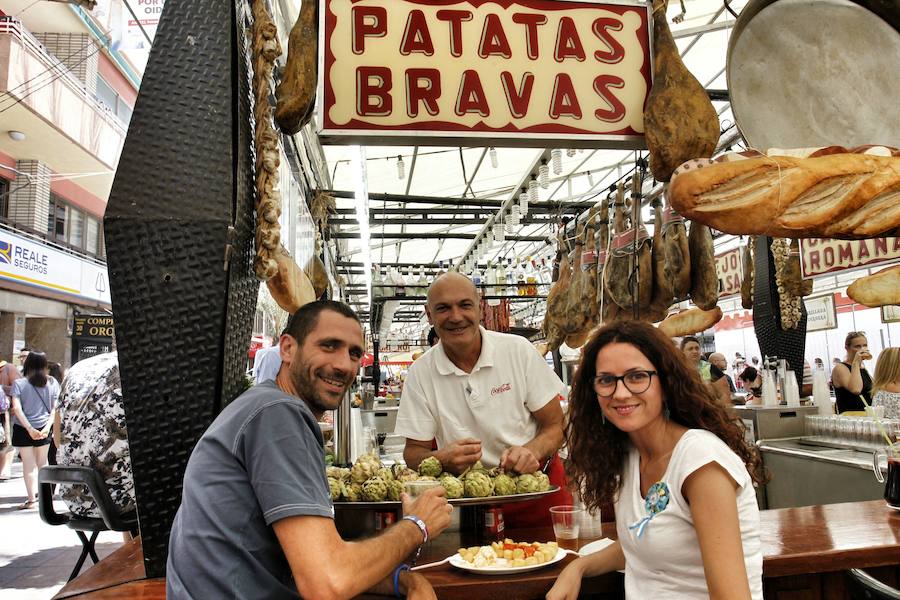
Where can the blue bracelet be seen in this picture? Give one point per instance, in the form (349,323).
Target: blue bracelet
(403,567)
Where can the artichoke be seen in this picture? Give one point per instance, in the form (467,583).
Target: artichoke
(477,484)
(452,485)
(504,485)
(385,473)
(338,473)
(527,484)
(336,488)
(431,466)
(405,474)
(374,490)
(543,481)
(363,470)
(353,492)
(394,489)
(425,478)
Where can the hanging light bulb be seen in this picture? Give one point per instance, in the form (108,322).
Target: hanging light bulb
(515,215)
(591,178)
(492,153)
(509,225)
(544,174)
(556,158)
(499,234)
(401,168)
(533,190)
(523,203)
(570,152)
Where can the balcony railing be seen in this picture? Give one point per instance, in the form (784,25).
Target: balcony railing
(43,92)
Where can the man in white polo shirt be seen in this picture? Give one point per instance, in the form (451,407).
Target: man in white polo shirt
(482,395)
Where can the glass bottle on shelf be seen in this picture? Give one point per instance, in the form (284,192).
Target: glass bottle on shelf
(531,278)
(476,277)
(399,284)
(521,286)
(422,283)
(510,279)
(491,276)
(377,282)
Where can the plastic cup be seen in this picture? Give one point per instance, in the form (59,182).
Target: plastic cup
(416,488)
(566,525)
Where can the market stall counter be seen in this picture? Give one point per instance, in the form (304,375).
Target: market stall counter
(805,553)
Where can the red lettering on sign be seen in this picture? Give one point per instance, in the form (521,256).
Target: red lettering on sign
(373,91)
(416,37)
(845,252)
(601,29)
(455,18)
(493,39)
(568,44)
(564,100)
(814,263)
(897,244)
(531,23)
(517,98)
(880,246)
(828,255)
(863,250)
(616,109)
(471,98)
(422,85)
(368,21)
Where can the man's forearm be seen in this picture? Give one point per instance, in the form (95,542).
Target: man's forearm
(374,556)
(546,442)
(413,455)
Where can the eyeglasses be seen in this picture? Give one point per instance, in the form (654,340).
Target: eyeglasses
(636,382)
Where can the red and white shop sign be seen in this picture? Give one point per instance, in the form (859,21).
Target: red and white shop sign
(530,72)
(821,256)
(730,271)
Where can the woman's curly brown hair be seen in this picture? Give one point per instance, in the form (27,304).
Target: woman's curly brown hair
(597,449)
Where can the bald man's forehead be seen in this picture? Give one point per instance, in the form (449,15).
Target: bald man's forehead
(452,284)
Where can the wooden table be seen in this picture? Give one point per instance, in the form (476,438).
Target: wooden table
(805,552)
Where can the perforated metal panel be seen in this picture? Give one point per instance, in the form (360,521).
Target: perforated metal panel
(773,340)
(183,316)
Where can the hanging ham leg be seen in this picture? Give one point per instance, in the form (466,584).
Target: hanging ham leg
(556,300)
(662,289)
(296,93)
(678,257)
(679,120)
(747,281)
(704,279)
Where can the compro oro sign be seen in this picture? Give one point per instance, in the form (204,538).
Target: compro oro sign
(526,71)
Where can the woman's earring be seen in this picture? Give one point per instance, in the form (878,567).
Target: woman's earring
(666,412)
(603,416)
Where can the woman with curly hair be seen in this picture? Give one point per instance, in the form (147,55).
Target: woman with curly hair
(645,433)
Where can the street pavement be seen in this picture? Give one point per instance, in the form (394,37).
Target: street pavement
(35,558)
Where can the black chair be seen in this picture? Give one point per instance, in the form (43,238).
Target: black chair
(111,519)
(863,586)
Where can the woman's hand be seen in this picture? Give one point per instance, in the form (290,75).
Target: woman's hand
(568,584)
(35,434)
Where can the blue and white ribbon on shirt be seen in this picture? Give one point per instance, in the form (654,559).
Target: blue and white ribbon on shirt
(656,501)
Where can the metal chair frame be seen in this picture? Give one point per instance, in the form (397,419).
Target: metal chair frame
(111,519)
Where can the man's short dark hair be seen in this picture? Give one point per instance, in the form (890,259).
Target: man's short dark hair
(687,340)
(307,317)
(432,337)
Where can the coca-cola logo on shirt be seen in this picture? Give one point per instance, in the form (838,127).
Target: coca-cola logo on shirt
(500,389)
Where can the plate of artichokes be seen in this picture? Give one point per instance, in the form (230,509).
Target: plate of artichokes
(370,484)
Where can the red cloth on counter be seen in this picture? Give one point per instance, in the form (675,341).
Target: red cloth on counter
(536,513)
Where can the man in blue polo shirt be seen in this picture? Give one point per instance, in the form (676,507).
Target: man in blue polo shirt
(256,519)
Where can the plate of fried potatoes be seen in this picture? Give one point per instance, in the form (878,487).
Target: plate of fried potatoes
(506,557)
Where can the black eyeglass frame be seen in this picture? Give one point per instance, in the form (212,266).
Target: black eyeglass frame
(621,378)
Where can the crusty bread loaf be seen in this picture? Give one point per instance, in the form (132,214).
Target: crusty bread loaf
(880,289)
(690,321)
(845,196)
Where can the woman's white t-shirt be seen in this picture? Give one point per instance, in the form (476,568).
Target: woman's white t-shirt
(665,561)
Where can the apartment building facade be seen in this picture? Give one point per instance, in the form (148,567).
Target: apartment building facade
(66,97)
